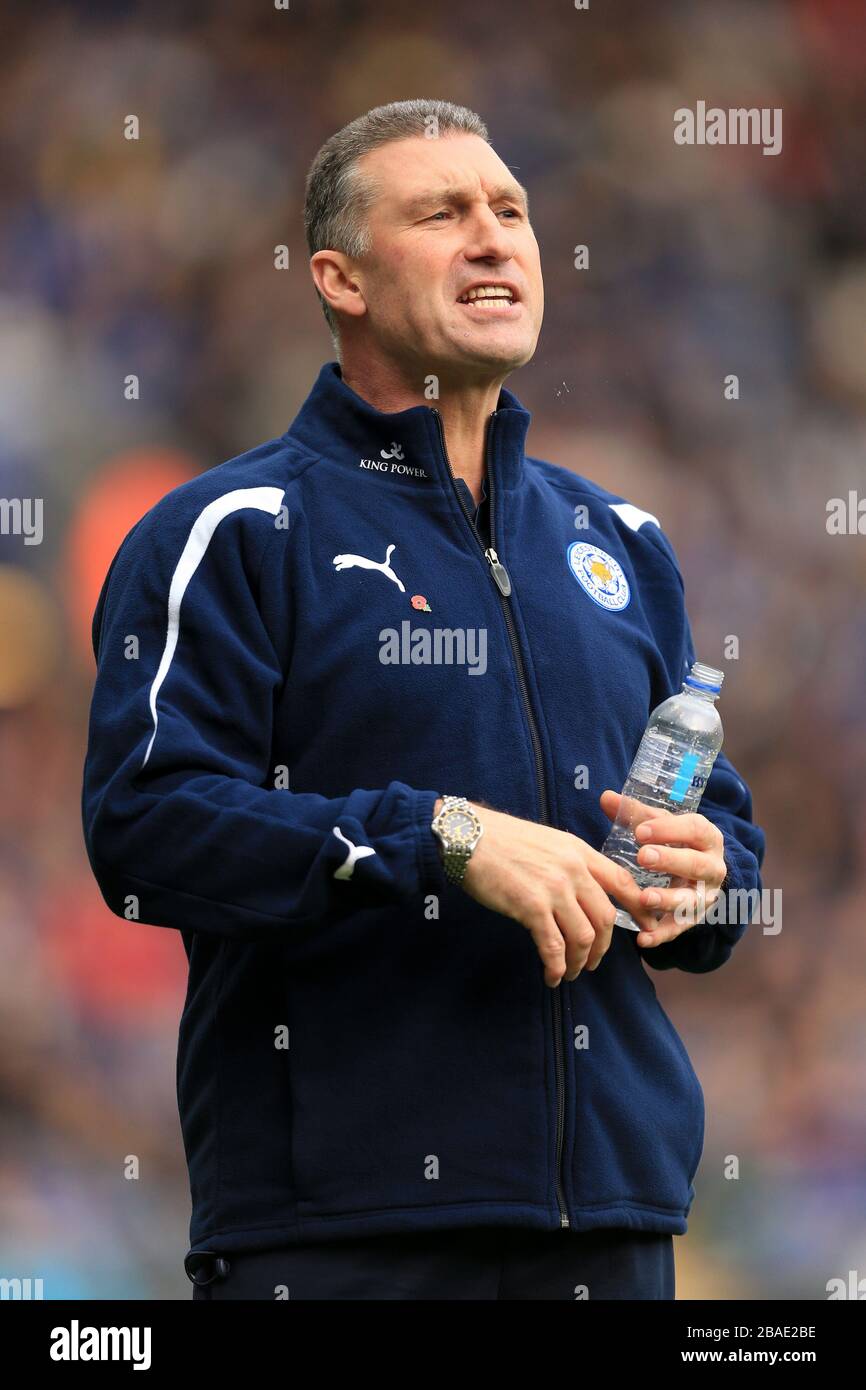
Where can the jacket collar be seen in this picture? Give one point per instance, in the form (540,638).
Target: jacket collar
(335,422)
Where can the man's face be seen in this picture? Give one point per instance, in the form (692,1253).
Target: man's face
(449,215)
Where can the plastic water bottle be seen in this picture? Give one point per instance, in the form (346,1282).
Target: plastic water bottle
(669,772)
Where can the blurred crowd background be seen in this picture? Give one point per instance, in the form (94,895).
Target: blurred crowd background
(155,257)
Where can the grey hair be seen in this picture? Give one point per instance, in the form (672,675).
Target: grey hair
(338,196)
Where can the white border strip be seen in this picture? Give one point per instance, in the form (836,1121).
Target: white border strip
(265,499)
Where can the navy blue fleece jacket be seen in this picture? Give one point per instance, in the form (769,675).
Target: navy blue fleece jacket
(298,652)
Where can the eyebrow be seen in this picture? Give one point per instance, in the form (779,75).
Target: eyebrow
(514,192)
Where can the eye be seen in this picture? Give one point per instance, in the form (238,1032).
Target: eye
(445,212)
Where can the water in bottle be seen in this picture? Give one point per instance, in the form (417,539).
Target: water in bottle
(669,772)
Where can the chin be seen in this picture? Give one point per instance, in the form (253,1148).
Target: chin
(504,355)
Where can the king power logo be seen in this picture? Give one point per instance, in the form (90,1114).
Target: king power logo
(391,461)
(390,466)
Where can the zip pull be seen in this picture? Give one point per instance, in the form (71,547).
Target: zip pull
(499,572)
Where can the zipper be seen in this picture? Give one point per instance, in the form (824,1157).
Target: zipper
(502,580)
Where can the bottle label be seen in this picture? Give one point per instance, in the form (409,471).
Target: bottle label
(659,764)
(683,779)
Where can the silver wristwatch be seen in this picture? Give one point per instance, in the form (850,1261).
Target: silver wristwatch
(458,829)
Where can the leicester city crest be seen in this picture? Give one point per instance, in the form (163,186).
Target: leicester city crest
(599,574)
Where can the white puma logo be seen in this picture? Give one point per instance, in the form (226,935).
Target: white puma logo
(346,562)
(356,852)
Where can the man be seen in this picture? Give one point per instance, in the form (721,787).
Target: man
(345,683)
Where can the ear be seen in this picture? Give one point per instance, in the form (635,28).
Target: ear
(336,281)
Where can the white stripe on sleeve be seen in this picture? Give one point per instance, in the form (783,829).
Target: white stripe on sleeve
(265,499)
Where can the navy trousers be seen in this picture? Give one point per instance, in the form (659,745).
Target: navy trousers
(481,1263)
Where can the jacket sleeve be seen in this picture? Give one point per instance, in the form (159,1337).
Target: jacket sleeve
(727,802)
(184,820)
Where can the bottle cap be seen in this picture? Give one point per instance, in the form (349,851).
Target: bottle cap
(704,677)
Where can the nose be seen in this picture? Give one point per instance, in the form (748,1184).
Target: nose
(487,239)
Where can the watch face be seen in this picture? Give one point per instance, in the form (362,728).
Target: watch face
(459,826)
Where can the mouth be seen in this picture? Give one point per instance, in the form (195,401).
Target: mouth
(490,300)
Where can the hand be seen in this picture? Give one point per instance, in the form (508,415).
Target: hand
(554,884)
(696,858)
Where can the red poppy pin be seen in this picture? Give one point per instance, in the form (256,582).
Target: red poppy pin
(420,602)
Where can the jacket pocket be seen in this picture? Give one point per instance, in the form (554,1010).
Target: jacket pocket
(700,1102)
(640,1108)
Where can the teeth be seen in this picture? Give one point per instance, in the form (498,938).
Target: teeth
(486,292)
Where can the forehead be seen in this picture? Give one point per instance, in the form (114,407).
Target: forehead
(406,171)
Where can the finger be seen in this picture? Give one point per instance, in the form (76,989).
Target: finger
(684,901)
(611,875)
(667,928)
(664,897)
(671,924)
(659,934)
(625,809)
(690,828)
(664,927)
(690,864)
(601,913)
(619,884)
(549,943)
(577,930)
